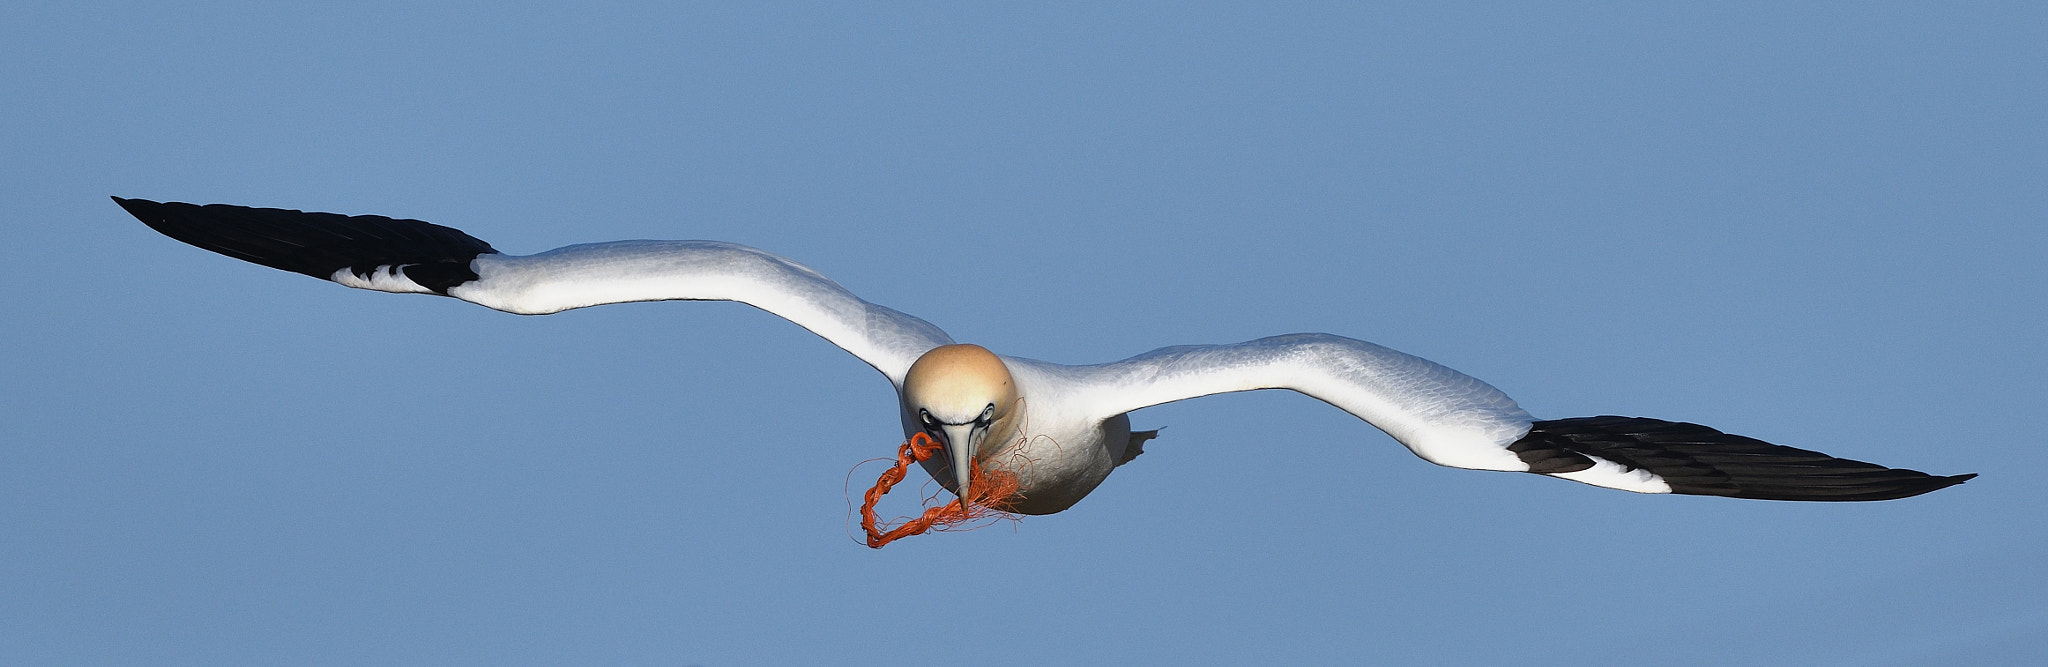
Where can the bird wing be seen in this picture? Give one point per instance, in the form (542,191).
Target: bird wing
(1444,416)
(1453,419)
(395,255)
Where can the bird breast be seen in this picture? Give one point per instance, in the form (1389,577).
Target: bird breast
(1055,468)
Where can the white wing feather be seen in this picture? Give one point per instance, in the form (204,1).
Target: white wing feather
(594,274)
(1442,415)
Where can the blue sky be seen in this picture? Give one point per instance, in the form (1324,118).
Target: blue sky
(1820,225)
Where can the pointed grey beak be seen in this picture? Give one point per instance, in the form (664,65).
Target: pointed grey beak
(961,441)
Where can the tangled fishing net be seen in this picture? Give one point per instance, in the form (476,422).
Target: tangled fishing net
(989,491)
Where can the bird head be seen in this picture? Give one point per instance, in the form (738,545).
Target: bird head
(962,396)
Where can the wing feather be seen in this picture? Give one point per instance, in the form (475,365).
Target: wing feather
(580,276)
(1442,415)
(398,255)
(1453,419)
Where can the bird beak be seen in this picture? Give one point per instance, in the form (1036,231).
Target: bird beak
(960,445)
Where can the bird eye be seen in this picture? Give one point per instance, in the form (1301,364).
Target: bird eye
(926,417)
(988,414)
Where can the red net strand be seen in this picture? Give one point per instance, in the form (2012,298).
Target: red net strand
(989,492)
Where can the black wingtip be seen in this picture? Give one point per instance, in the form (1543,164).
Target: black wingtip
(1698,460)
(156,215)
(140,208)
(319,244)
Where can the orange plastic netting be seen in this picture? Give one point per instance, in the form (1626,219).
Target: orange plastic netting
(989,492)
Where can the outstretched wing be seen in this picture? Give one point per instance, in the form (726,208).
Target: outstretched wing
(1453,419)
(395,255)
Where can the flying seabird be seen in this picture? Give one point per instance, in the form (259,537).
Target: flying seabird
(1058,429)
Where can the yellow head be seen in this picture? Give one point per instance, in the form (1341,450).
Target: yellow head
(962,396)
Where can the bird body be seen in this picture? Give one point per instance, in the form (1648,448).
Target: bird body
(1059,429)
(1057,444)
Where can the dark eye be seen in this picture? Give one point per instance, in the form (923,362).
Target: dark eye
(926,417)
(988,414)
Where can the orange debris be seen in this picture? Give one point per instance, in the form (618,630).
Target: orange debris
(990,492)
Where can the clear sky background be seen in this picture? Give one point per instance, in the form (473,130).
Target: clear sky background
(1817,224)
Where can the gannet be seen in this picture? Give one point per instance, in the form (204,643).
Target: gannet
(1059,429)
